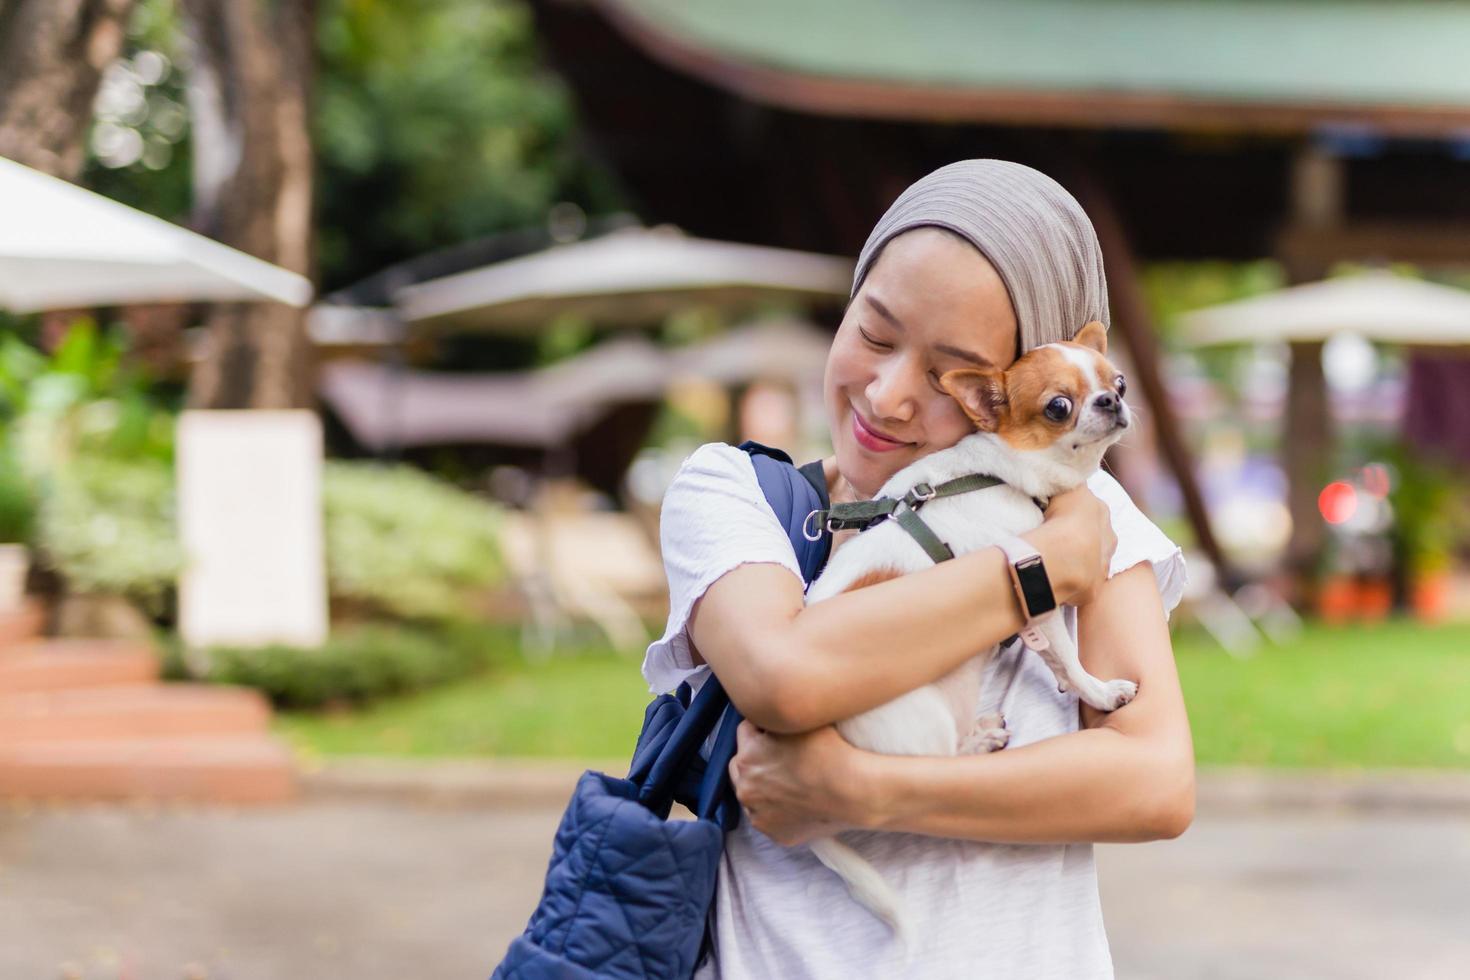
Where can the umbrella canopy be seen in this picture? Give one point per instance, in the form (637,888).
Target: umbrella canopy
(386,408)
(62,246)
(633,277)
(766,350)
(1376,305)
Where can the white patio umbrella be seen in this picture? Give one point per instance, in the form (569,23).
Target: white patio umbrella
(62,246)
(632,277)
(1377,305)
(764,350)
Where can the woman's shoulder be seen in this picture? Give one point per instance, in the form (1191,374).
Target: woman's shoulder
(714,474)
(716,460)
(716,497)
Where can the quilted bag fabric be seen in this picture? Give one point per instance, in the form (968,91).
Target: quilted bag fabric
(628,891)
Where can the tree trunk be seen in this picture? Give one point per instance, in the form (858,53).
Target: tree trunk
(52,53)
(1306,458)
(1318,203)
(249,93)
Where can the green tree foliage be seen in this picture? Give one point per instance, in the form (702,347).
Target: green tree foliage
(436,122)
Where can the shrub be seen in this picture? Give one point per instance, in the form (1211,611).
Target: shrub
(107,525)
(17,508)
(397,539)
(406,542)
(358,664)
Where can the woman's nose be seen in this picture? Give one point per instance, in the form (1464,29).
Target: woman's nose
(890,394)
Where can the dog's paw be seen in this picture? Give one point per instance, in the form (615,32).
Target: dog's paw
(1117,693)
(988,735)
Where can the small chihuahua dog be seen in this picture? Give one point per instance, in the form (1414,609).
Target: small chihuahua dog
(1042,428)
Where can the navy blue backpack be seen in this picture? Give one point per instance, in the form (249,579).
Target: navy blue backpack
(628,891)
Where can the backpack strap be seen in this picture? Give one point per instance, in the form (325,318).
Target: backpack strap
(793,494)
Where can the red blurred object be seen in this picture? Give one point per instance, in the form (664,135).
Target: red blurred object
(1338,501)
(1429,594)
(1336,599)
(1374,599)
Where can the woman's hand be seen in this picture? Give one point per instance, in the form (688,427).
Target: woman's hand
(795,788)
(1076,542)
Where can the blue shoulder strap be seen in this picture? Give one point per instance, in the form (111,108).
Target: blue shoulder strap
(665,765)
(793,494)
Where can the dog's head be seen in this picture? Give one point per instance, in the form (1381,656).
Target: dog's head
(1063,401)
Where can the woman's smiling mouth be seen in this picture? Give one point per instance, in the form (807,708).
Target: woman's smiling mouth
(871,439)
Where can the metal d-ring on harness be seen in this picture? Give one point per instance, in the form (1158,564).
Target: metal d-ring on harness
(863,514)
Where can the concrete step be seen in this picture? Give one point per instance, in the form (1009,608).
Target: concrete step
(132,711)
(212,769)
(59,664)
(19,625)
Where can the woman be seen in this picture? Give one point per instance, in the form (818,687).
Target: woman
(991,854)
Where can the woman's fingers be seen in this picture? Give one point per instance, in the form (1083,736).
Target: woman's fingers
(1086,543)
(788,784)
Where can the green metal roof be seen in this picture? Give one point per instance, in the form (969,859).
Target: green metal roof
(1347,52)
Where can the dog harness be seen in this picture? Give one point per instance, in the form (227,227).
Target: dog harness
(863,514)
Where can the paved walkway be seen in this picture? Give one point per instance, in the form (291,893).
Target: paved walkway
(386,887)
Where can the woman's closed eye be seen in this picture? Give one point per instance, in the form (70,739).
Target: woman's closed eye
(880,345)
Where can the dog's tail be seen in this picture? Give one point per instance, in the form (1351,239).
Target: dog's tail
(864,883)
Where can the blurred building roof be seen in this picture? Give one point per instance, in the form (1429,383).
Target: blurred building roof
(1244,65)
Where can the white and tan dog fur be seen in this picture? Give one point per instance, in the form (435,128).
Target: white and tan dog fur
(1023,439)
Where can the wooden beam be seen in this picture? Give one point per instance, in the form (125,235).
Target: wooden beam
(1307,247)
(1132,319)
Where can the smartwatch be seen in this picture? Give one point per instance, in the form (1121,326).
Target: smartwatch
(1033,588)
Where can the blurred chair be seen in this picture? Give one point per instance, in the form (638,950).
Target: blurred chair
(573,563)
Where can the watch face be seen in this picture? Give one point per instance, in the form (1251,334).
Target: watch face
(1035,586)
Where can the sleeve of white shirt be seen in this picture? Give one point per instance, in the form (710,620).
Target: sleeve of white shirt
(714,518)
(1139,540)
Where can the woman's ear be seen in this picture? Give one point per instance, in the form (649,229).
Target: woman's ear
(1093,336)
(981,394)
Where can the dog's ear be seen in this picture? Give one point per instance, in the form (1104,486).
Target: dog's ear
(982,395)
(1093,336)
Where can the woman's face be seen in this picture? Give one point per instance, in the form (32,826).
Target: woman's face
(930,304)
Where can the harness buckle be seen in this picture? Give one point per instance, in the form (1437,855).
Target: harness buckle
(922,492)
(806,526)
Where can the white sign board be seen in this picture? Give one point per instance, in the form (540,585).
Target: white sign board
(250,520)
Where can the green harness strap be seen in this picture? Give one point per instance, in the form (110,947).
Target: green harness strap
(905,510)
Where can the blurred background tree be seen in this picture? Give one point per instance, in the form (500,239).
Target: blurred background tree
(416,152)
(52,55)
(413,151)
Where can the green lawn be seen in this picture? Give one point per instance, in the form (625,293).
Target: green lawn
(1391,695)
(1395,694)
(586,705)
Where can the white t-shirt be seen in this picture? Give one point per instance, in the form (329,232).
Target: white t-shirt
(977,910)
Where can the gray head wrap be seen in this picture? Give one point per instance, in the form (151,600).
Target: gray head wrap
(1026,225)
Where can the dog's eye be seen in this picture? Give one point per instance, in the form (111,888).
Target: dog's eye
(1059,408)
(1122,386)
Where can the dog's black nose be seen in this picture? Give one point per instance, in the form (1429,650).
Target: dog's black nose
(1108,402)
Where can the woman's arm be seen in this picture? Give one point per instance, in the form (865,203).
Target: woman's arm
(1127,776)
(789,667)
